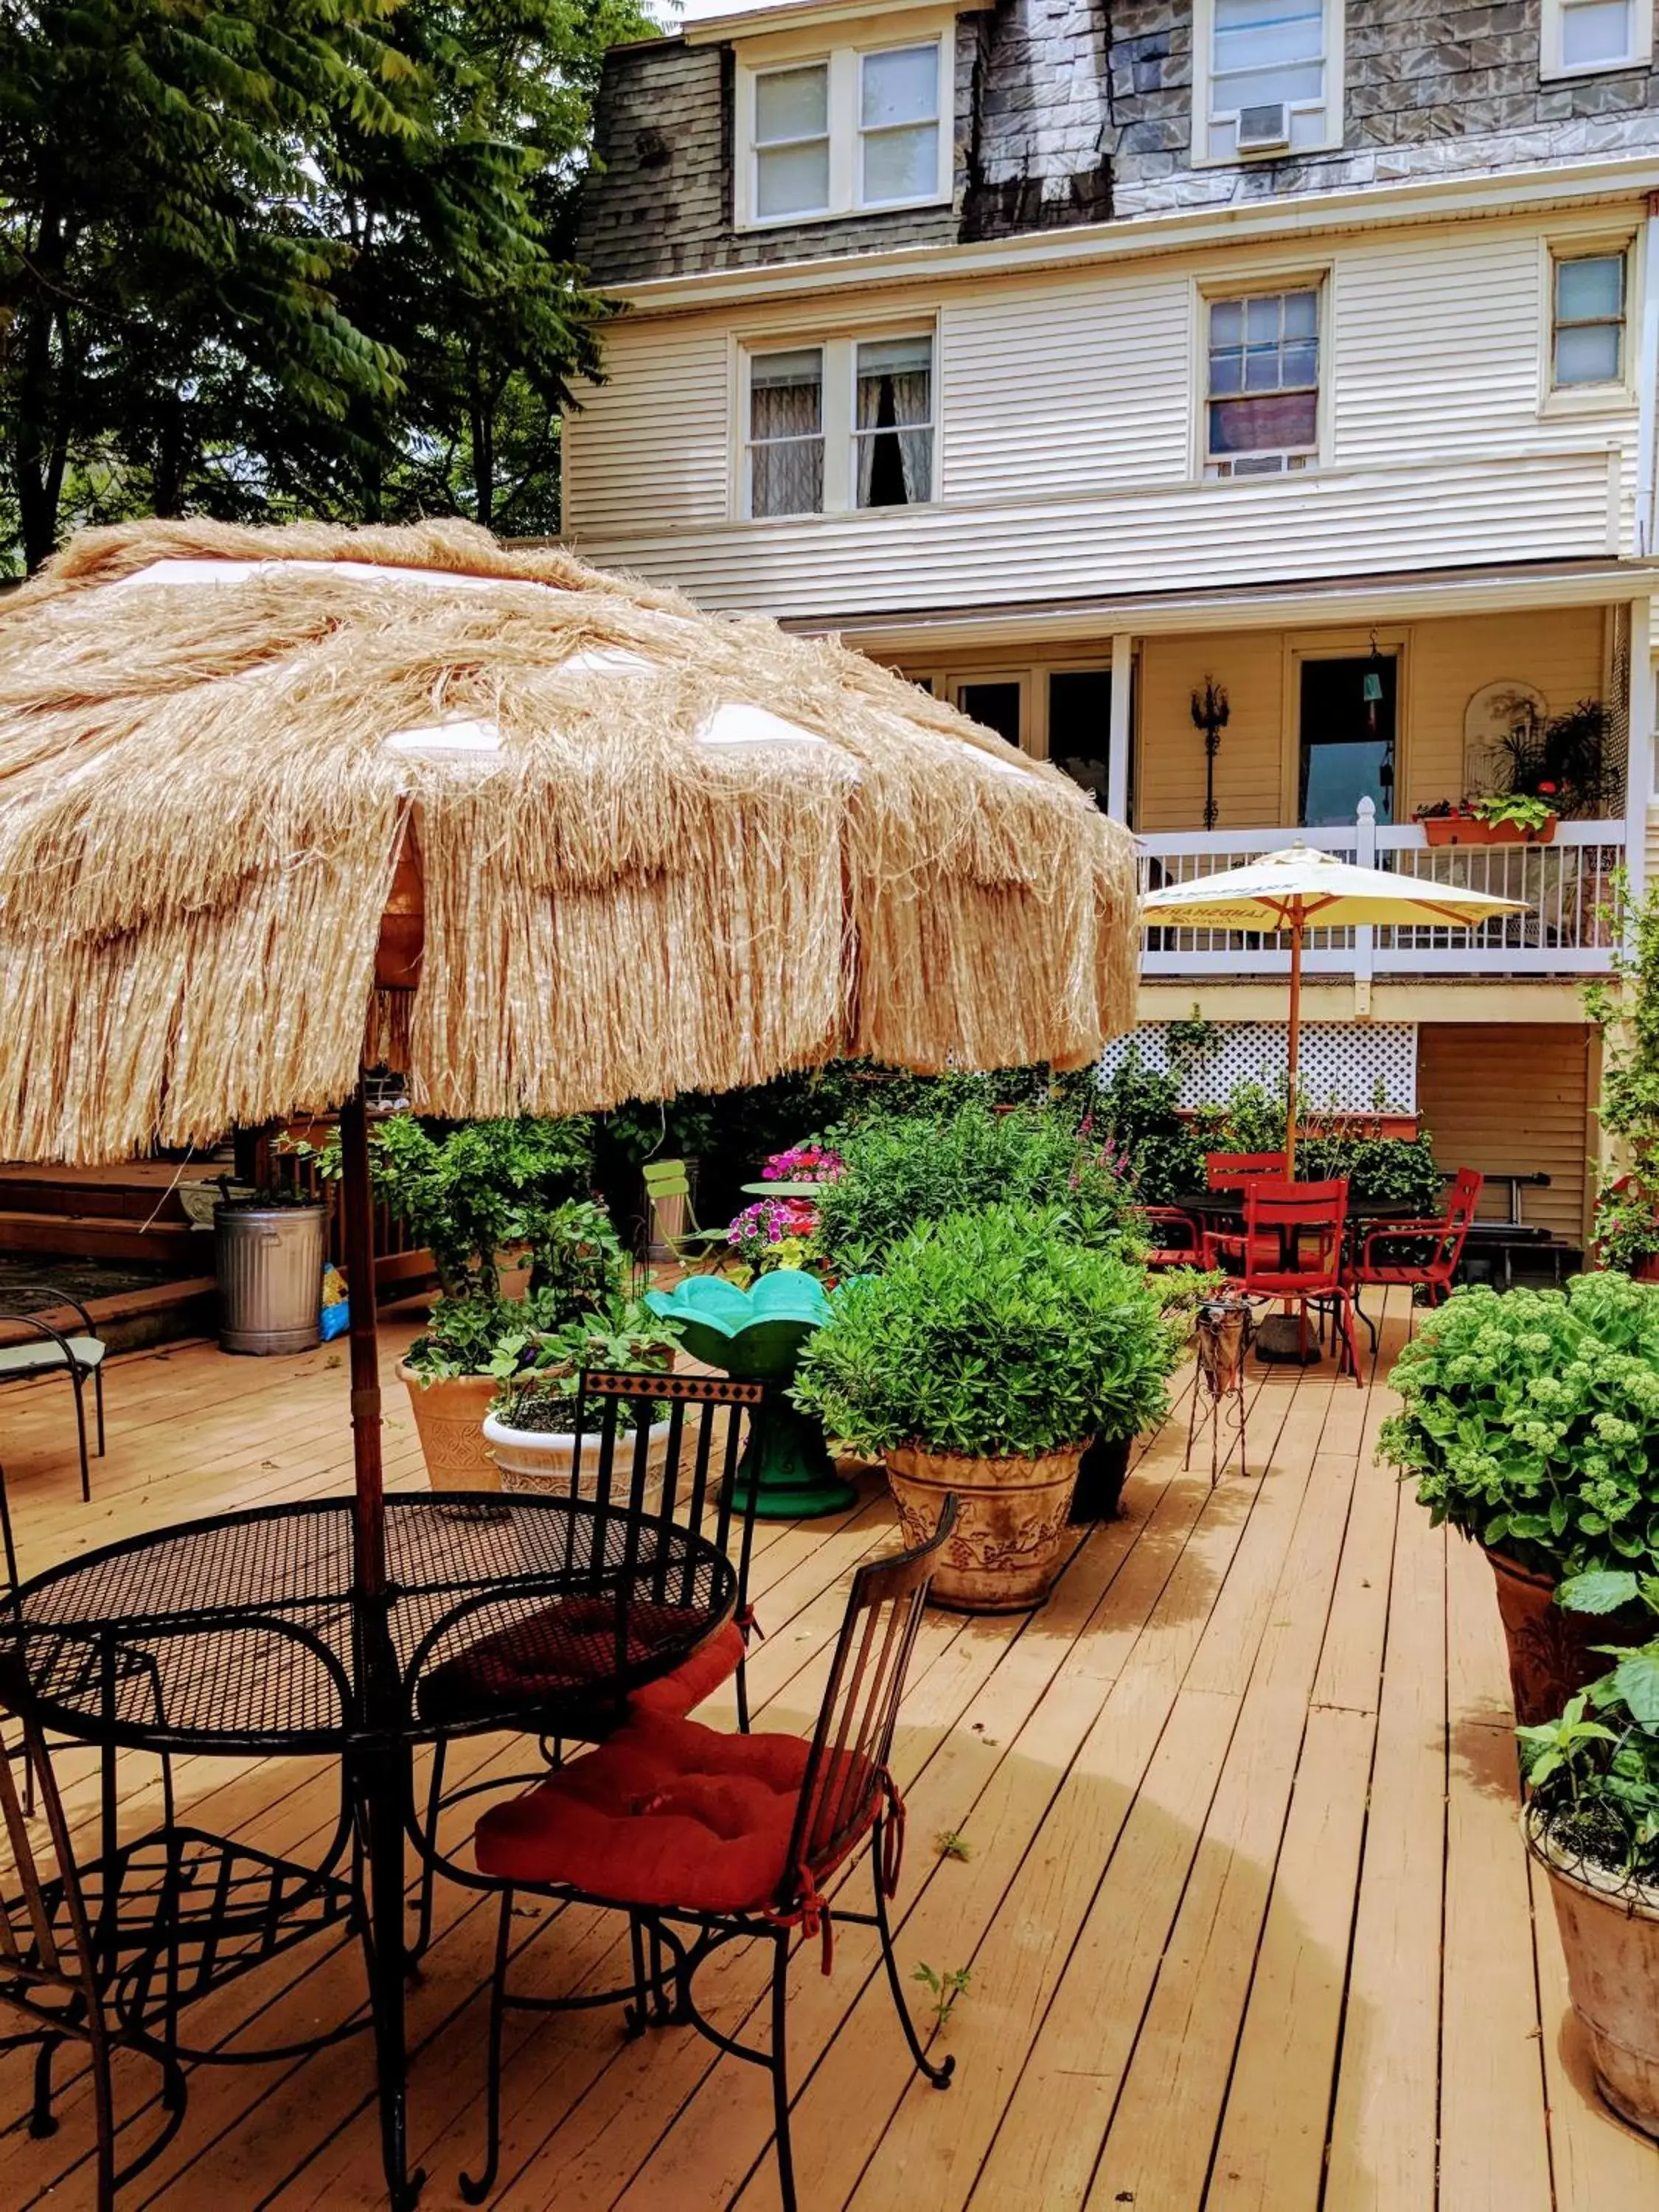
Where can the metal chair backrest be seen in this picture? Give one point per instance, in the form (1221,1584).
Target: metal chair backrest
(846,1767)
(1237,1170)
(666,1179)
(38,1949)
(1460,1203)
(1300,1227)
(693,1483)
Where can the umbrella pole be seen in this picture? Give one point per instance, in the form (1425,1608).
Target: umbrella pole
(1294,1048)
(357,1206)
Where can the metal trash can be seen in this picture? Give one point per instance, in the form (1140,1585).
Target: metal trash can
(270,1264)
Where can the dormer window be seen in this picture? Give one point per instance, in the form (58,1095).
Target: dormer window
(856,130)
(1268,78)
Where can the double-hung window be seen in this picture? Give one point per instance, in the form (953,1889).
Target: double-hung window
(1268,81)
(1586,319)
(1261,394)
(1579,38)
(847,423)
(854,130)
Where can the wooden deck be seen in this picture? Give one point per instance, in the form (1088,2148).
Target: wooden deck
(1247,1916)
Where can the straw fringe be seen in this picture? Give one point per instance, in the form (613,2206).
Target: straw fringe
(199,818)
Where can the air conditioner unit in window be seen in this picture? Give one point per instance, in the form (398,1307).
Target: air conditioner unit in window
(1262,130)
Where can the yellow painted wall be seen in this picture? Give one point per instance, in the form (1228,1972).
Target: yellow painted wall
(1560,650)
(1501,1095)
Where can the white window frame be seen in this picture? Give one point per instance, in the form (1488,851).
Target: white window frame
(758,58)
(1551,65)
(839,413)
(1204,116)
(1587,398)
(1320,280)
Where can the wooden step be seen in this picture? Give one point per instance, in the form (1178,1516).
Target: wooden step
(133,1320)
(170,1244)
(138,1191)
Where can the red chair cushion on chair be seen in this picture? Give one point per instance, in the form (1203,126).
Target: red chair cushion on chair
(667,1811)
(672,1695)
(554,1653)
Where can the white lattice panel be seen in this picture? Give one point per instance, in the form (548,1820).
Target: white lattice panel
(1348,1067)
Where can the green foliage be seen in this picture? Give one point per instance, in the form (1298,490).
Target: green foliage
(1522,808)
(944,1989)
(1531,1422)
(990,1333)
(462,1336)
(951,1844)
(1595,1783)
(1563,758)
(466,1190)
(1380,1170)
(1627,1015)
(579,1265)
(538,1368)
(297,255)
(902,1170)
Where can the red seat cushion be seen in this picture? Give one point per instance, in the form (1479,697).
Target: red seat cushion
(555,1653)
(673,1695)
(665,1811)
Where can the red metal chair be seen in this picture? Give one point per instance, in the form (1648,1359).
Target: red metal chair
(705,1839)
(1424,1254)
(1224,1248)
(1174,1238)
(1293,1240)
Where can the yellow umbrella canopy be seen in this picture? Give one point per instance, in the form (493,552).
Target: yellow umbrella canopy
(1300,888)
(549,838)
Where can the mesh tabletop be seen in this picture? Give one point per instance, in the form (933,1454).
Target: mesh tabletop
(240,1633)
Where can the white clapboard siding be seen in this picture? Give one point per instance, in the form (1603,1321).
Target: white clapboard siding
(653,440)
(1257,530)
(1438,345)
(1049,388)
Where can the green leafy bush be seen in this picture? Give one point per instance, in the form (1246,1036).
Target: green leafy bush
(991,1334)
(1595,1783)
(1531,1422)
(900,1171)
(538,1369)
(1627,1015)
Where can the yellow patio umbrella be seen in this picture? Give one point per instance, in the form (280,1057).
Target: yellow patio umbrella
(1301,888)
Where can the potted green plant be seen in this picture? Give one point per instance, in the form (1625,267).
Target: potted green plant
(1531,1423)
(979,1362)
(1592,1821)
(1503,818)
(530,1430)
(1148,1359)
(1626,1012)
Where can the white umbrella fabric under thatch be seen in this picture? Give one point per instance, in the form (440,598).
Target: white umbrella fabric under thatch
(272,801)
(1300,888)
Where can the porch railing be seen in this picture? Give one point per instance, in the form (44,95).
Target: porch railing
(1564,886)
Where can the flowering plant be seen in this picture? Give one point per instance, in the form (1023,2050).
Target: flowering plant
(1531,1422)
(773,1232)
(803,1163)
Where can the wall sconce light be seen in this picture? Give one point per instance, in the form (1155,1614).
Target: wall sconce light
(1210,714)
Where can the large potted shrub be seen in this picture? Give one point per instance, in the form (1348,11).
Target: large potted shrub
(981,1361)
(898,1170)
(1627,1015)
(1531,1422)
(1592,1820)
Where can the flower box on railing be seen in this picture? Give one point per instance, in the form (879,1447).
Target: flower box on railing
(1470,829)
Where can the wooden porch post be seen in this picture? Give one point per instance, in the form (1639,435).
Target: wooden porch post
(1121,734)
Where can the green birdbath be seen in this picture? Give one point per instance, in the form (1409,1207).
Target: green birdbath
(756,1336)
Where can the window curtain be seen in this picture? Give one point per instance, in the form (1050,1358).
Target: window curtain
(787,442)
(895,463)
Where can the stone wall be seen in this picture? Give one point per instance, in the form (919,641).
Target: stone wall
(1074,111)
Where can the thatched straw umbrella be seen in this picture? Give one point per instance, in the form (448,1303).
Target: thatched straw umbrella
(270,800)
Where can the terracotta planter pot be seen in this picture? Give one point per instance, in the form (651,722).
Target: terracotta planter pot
(1010,1528)
(450,1418)
(1101,1475)
(1611,1938)
(1463,829)
(1552,1653)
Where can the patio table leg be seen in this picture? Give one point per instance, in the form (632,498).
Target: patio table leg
(384,1781)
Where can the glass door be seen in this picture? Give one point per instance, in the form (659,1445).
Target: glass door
(1348,729)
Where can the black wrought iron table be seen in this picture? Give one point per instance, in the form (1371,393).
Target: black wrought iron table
(241,1635)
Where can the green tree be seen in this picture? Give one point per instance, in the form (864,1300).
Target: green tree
(285,255)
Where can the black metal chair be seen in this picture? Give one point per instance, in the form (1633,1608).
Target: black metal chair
(705,1839)
(80,1357)
(55,1970)
(614,1463)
